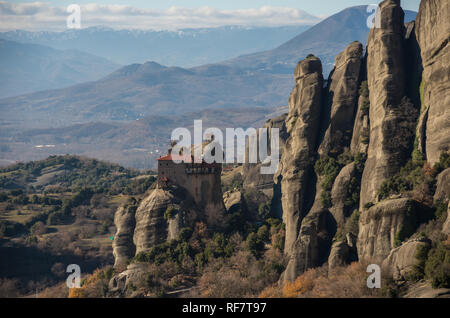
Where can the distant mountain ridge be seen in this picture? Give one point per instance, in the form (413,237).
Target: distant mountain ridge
(185,47)
(26,68)
(326,39)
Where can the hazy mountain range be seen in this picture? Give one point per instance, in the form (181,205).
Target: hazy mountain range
(185,47)
(26,68)
(326,39)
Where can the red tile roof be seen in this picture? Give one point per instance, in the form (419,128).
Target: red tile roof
(176,157)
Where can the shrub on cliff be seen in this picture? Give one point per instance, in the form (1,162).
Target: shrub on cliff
(170,212)
(437,266)
(444,162)
(328,169)
(350,226)
(418,271)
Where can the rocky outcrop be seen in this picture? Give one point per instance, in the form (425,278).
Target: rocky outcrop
(161,215)
(342,101)
(361,128)
(253,178)
(174,226)
(312,245)
(442,192)
(446,226)
(302,124)
(339,193)
(392,116)
(339,255)
(262,185)
(413,64)
(343,252)
(123,246)
(387,224)
(122,284)
(421,131)
(401,260)
(151,226)
(433,35)
(423,289)
(234,201)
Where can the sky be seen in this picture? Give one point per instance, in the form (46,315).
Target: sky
(172,14)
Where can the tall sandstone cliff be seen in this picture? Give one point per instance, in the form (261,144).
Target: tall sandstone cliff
(392,115)
(379,227)
(433,35)
(342,100)
(302,126)
(310,226)
(390,218)
(376,108)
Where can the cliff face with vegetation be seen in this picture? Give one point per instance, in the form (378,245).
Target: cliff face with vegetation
(433,35)
(363,166)
(392,115)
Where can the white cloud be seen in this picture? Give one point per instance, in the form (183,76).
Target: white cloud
(41,16)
